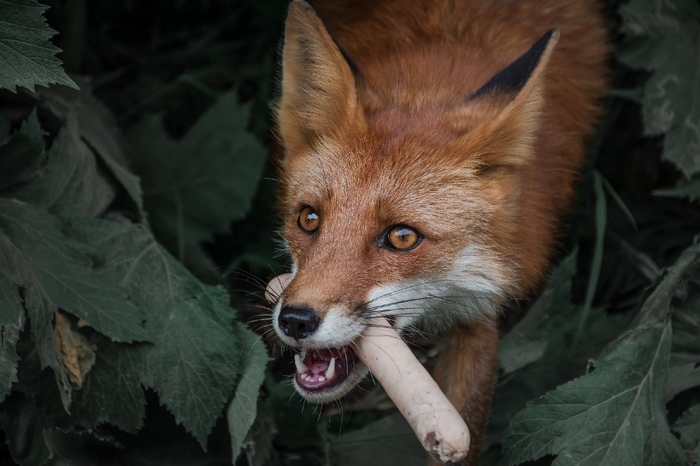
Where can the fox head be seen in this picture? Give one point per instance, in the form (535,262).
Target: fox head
(398,193)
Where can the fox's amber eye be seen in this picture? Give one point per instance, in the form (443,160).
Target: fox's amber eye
(308,220)
(402,237)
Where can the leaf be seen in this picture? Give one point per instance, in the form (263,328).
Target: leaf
(98,129)
(684,365)
(616,414)
(26,55)
(552,322)
(664,37)
(11,324)
(258,443)
(59,272)
(71,184)
(685,189)
(22,155)
(193,360)
(389,442)
(242,411)
(688,428)
(112,391)
(527,341)
(196,186)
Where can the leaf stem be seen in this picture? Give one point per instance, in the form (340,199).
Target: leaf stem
(601,223)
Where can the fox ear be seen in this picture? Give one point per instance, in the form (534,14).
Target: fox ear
(509,107)
(319,92)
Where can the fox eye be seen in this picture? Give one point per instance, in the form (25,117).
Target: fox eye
(308,220)
(402,237)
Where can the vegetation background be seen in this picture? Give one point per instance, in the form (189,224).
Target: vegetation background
(137,230)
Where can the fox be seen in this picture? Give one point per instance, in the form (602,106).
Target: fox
(429,150)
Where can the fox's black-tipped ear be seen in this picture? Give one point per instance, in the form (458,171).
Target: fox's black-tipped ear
(319,94)
(513,78)
(503,115)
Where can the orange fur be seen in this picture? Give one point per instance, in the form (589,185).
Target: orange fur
(402,134)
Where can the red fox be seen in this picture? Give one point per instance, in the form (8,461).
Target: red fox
(429,148)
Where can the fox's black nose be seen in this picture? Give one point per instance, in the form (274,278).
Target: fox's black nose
(298,322)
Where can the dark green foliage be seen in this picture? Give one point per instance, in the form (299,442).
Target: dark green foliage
(26,55)
(127,207)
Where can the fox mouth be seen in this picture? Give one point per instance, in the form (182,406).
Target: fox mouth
(326,374)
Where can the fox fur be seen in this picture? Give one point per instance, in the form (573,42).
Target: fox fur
(465,120)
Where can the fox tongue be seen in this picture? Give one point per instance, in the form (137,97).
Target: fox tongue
(317,370)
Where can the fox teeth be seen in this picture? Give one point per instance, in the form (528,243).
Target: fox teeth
(301,367)
(303,353)
(331,369)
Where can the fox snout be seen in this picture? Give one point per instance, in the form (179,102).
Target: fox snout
(322,338)
(298,322)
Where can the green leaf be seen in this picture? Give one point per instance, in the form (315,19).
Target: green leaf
(26,55)
(112,391)
(389,442)
(196,186)
(60,273)
(616,414)
(664,37)
(11,324)
(242,411)
(258,443)
(684,366)
(527,341)
(535,355)
(71,184)
(57,272)
(688,428)
(685,189)
(97,127)
(193,360)
(22,155)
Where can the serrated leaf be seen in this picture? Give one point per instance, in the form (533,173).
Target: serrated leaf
(242,411)
(389,442)
(27,58)
(616,414)
(22,155)
(71,183)
(196,186)
(11,324)
(192,362)
(61,273)
(112,391)
(57,272)
(688,429)
(664,37)
(97,127)
(550,323)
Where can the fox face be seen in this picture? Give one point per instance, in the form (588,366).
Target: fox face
(403,190)
(379,240)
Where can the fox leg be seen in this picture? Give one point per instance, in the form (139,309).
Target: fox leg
(466,372)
